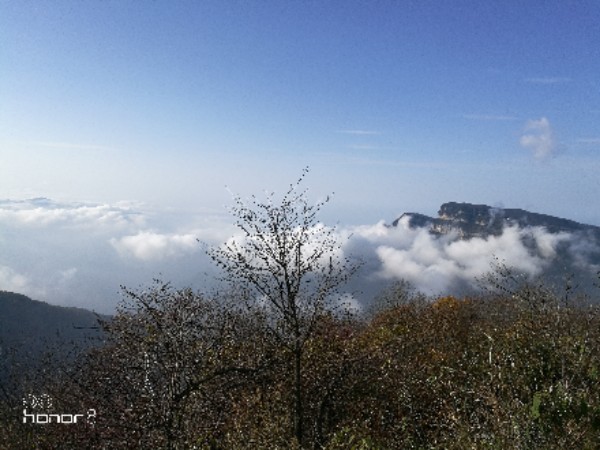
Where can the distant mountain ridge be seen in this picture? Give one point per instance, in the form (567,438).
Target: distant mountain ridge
(22,319)
(558,249)
(472,220)
(30,328)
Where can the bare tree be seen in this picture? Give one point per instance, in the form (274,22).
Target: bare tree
(290,265)
(167,373)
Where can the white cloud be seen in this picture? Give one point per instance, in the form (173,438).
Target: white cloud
(68,274)
(11,280)
(151,246)
(539,138)
(548,242)
(321,236)
(401,235)
(80,253)
(435,264)
(346,302)
(474,256)
(582,249)
(61,252)
(43,212)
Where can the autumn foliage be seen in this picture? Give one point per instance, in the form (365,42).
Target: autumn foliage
(180,370)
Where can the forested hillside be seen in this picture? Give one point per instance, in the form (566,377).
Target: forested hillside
(30,323)
(512,369)
(32,331)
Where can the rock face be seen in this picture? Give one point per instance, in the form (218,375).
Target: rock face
(559,249)
(469,220)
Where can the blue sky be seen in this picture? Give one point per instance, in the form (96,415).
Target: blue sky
(395,105)
(423,102)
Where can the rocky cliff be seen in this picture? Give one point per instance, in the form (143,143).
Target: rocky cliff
(470,220)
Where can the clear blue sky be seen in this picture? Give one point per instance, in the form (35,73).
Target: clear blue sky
(395,105)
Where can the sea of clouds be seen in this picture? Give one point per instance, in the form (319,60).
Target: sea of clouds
(79,254)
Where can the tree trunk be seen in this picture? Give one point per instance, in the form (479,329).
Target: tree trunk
(298,400)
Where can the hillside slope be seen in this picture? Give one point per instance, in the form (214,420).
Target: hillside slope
(29,329)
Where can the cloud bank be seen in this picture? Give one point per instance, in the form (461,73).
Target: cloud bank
(78,254)
(40,212)
(444,264)
(152,246)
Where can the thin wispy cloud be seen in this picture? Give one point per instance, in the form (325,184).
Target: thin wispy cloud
(538,137)
(364,147)
(360,132)
(548,80)
(490,117)
(593,141)
(68,146)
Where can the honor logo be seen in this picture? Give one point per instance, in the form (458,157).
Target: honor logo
(44,402)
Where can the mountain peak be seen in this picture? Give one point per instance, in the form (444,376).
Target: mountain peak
(474,220)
